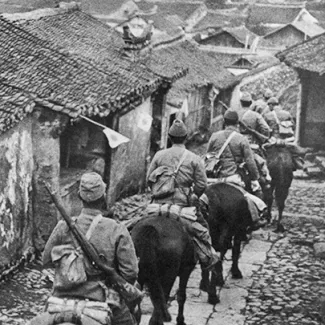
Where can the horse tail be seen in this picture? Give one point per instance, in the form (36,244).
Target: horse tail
(147,247)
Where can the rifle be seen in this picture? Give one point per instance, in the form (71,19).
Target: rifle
(255,133)
(127,291)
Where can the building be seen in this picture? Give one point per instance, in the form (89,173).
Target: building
(262,21)
(235,37)
(90,39)
(291,34)
(45,89)
(308,59)
(196,95)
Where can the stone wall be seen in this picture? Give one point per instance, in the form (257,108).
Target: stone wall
(16,163)
(128,161)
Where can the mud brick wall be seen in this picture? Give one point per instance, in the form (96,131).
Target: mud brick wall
(15,187)
(128,162)
(47,127)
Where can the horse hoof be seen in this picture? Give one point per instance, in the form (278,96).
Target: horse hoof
(180,321)
(237,275)
(213,300)
(279,229)
(167,317)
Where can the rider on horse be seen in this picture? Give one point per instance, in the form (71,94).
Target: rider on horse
(255,122)
(191,182)
(237,151)
(260,105)
(281,124)
(92,300)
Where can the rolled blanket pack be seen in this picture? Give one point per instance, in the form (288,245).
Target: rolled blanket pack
(164,210)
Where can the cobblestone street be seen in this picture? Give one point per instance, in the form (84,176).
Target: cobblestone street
(283,280)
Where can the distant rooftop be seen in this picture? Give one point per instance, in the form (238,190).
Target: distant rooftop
(272,14)
(309,55)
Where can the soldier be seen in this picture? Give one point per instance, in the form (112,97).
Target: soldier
(237,152)
(114,243)
(281,124)
(256,122)
(191,181)
(260,106)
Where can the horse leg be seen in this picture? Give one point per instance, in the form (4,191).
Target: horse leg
(204,284)
(281,193)
(167,281)
(217,275)
(269,201)
(216,281)
(280,227)
(236,273)
(181,294)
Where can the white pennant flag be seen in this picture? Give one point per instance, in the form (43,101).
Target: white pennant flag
(144,121)
(114,138)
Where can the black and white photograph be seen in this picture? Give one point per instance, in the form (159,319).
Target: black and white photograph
(162,162)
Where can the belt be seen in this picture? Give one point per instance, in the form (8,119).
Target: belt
(96,277)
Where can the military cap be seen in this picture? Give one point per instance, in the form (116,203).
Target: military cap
(246,97)
(92,187)
(231,116)
(273,100)
(178,129)
(268,93)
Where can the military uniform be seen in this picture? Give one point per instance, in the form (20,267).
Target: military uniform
(190,174)
(256,122)
(111,239)
(236,152)
(190,179)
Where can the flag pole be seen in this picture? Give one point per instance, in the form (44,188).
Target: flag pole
(91,121)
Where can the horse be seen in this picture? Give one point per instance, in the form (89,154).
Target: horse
(228,219)
(280,164)
(165,251)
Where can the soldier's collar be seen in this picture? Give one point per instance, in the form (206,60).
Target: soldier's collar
(179,145)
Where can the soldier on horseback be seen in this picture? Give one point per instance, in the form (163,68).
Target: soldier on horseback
(190,183)
(281,124)
(236,150)
(251,120)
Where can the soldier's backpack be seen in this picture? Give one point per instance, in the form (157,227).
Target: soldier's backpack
(212,161)
(70,262)
(163,180)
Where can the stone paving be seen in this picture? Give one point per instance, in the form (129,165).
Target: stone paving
(283,280)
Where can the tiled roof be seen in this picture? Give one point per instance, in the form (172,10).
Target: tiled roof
(204,68)
(181,9)
(63,82)
(308,29)
(15,105)
(82,35)
(103,7)
(217,19)
(272,14)
(240,33)
(309,55)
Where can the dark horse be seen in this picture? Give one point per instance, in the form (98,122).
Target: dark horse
(228,220)
(280,164)
(165,251)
